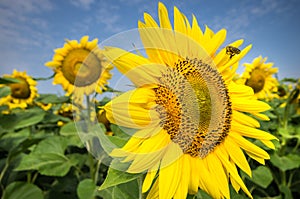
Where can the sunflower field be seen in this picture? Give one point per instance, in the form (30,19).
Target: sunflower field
(190,126)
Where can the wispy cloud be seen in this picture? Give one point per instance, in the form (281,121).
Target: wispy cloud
(19,23)
(85,4)
(108,15)
(238,19)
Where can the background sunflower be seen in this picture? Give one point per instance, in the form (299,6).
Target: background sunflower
(80,68)
(259,76)
(22,93)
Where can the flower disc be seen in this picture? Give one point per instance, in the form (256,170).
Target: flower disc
(81,67)
(195,108)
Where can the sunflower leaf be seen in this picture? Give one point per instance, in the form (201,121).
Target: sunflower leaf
(288,162)
(20,119)
(116,177)
(48,157)
(86,189)
(126,191)
(261,176)
(9,80)
(50,164)
(5,91)
(51,98)
(22,190)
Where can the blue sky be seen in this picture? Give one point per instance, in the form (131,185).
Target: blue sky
(31,29)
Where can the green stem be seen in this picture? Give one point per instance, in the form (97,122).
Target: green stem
(140,184)
(28,177)
(3,171)
(296,146)
(97,171)
(91,164)
(283,177)
(88,104)
(34,177)
(44,78)
(263,192)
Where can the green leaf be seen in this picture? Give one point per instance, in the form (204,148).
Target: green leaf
(261,176)
(12,140)
(4,91)
(69,129)
(48,157)
(122,132)
(50,164)
(53,118)
(29,117)
(86,189)
(126,191)
(21,118)
(288,162)
(22,190)
(54,144)
(115,177)
(202,195)
(9,80)
(88,134)
(51,98)
(286,191)
(117,141)
(105,193)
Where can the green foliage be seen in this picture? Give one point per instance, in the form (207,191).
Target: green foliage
(8,80)
(22,190)
(5,91)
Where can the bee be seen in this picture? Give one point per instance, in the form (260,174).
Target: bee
(230,50)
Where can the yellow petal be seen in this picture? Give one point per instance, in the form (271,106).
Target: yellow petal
(182,189)
(244,119)
(84,40)
(248,146)
(149,178)
(134,66)
(170,173)
(251,132)
(246,105)
(163,16)
(232,170)
(217,170)
(237,155)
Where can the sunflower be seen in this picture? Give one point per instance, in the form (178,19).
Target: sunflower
(80,68)
(22,93)
(259,76)
(193,122)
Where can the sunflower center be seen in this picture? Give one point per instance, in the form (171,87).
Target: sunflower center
(20,90)
(81,67)
(256,80)
(194,106)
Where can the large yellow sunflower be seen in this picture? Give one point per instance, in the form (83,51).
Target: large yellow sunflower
(259,76)
(192,119)
(22,93)
(80,68)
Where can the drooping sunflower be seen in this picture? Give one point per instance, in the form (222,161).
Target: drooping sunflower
(192,120)
(259,76)
(22,93)
(80,68)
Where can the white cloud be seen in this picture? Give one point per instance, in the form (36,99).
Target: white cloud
(85,4)
(108,15)
(19,23)
(28,6)
(238,19)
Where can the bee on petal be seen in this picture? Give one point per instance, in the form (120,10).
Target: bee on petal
(230,50)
